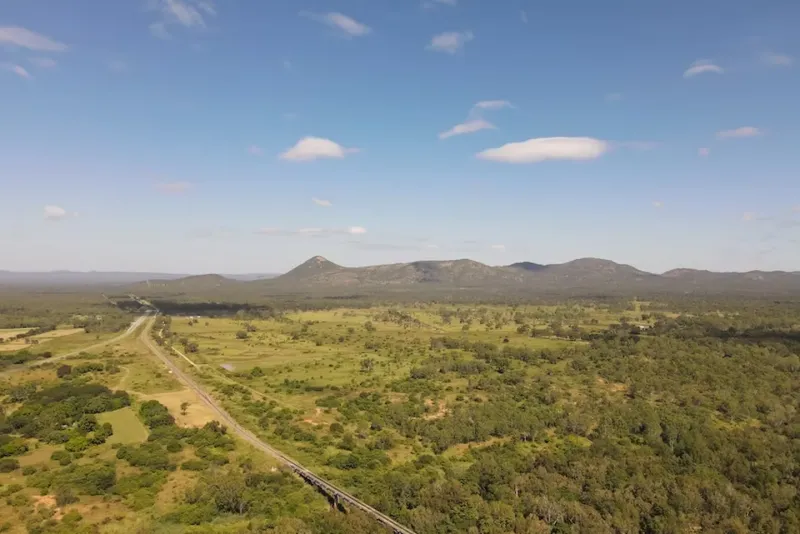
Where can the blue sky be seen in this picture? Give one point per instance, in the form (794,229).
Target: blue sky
(246,136)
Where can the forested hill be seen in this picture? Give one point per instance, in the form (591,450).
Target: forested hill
(585,276)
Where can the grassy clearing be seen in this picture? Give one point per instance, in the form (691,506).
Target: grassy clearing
(8,333)
(197,413)
(42,342)
(127,427)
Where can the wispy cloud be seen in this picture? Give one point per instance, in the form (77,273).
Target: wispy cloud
(55,213)
(523,15)
(255,150)
(185,13)
(322,202)
(703,152)
(475,122)
(777,60)
(174,187)
(311,148)
(702,66)
(431,4)
(491,105)
(467,128)
(348,26)
(24,38)
(658,204)
(43,62)
(547,148)
(744,131)
(499,247)
(450,42)
(19,70)
(749,216)
(613,97)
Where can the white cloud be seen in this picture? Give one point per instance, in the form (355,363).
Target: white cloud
(658,204)
(349,26)
(702,66)
(744,131)
(322,202)
(499,247)
(432,246)
(703,152)
(19,71)
(447,2)
(613,97)
(24,38)
(357,230)
(255,150)
(43,62)
(311,148)
(777,60)
(523,15)
(492,104)
(467,128)
(174,187)
(450,42)
(54,213)
(287,64)
(186,13)
(547,148)
(796,208)
(748,216)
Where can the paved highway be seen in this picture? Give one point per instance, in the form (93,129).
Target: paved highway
(332,490)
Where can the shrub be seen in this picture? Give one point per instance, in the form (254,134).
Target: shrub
(8,464)
(195,465)
(62,457)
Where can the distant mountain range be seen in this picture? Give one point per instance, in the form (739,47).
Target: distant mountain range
(83,278)
(319,276)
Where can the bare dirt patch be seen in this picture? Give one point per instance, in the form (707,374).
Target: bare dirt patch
(616,387)
(313,420)
(440,412)
(48,501)
(197,412)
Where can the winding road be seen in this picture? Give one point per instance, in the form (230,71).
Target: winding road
(338,494)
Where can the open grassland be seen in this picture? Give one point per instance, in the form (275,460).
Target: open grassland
(8,333)
(56,341)
(127,427)
(303,360)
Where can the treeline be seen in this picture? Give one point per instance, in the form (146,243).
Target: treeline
(44,311)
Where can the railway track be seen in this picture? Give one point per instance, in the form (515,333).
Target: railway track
(335,493)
